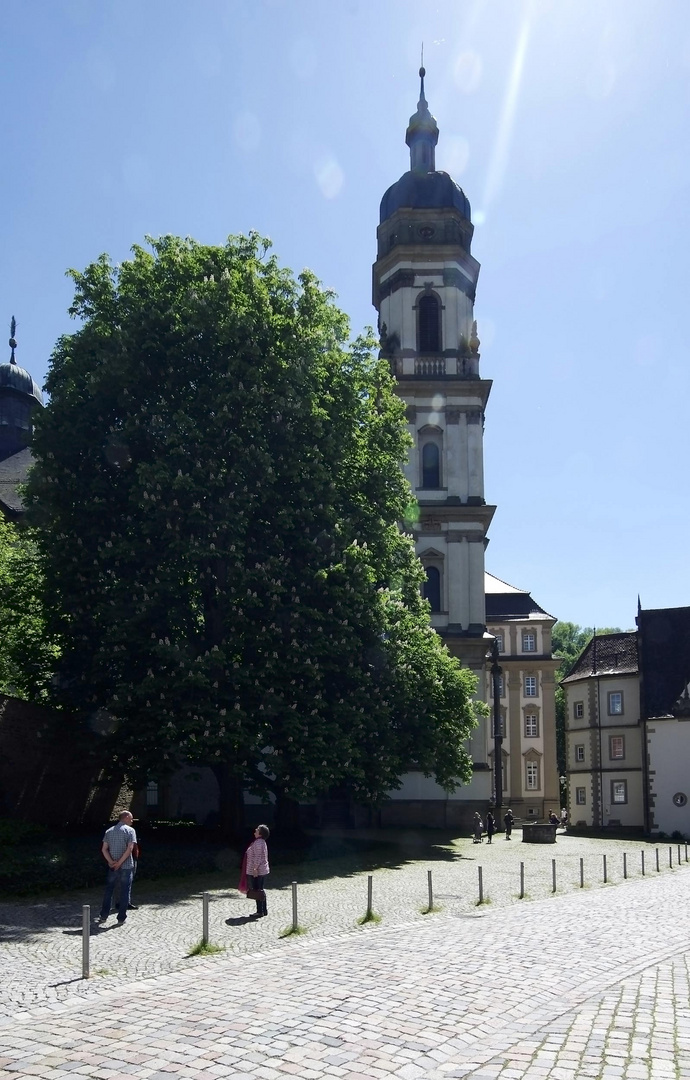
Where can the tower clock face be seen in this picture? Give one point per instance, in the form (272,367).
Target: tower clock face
(680,798)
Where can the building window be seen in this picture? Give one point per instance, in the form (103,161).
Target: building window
(615,703)
(432,587)
(529,641)
(429,323)
(500,642)
(530,686)
(431,465)
(580,752)
(532,773)
(616,747)
(581,796)
(578,709)
(152,793)
(531,726)
(619,791)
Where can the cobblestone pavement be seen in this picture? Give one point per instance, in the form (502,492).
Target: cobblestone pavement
(40,943)
(586,983)
(592,983)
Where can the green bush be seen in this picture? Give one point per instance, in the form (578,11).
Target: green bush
(14,832)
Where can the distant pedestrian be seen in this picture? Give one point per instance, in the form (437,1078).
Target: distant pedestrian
(118,844)
(478,828)
(564,817)
(490,826)
(255,868)
(553,820)
(508,821)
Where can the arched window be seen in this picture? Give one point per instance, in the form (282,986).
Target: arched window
(429,322)
(432,588)
(431,465)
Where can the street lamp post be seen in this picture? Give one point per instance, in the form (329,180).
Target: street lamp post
(496,672)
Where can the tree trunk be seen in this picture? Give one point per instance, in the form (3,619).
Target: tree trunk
(231,802)
(287,819)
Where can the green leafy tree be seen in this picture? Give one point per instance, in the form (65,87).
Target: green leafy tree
(568,641)
(218,493)
(28,656)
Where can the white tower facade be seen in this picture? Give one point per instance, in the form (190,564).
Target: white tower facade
(424,283)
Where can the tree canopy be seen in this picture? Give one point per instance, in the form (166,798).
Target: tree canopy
(217,495)
(28,655)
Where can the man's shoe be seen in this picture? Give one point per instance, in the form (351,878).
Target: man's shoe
(132,907)
(121,922)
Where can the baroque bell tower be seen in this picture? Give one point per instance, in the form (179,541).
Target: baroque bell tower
(424,283)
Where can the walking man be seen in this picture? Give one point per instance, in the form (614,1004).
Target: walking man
(508,822)
(118,844)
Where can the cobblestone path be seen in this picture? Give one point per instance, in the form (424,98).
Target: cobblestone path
(589,983)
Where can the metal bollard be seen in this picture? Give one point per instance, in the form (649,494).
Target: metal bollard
(679,858)
(642,854)
(656,852)
(85,940)
(553,875)
(582,873)
(605,875)
(670,858)
(625,864)
(204,917)
(431,890)
(370,895)
(481,885)
(295,924)
(522,881)
(686,852)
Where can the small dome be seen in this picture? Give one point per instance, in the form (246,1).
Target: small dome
(14,377)
(424,190)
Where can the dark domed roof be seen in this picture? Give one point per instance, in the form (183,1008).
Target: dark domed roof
(424,190)
(14,377)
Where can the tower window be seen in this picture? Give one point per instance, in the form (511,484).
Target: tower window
(429,321)
(431,466)
(432,588)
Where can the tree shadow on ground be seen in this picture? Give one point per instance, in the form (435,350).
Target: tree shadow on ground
(321,856)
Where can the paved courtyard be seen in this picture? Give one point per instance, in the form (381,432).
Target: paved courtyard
(588,982)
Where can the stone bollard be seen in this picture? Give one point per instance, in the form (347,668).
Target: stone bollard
(85,940)
(295,923)
(204,917)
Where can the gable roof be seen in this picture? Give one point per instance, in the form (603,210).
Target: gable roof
(665,661)
(504,601)
(606,654)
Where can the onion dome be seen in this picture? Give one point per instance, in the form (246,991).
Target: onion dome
(423,187)
(19,396)
(14,377)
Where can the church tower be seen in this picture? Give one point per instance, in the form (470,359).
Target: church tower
(424,283)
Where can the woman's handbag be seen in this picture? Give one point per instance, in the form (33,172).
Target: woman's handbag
(256,894)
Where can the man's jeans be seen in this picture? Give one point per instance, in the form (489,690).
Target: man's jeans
(123,878)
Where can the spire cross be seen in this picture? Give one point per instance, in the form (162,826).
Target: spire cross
(12,342)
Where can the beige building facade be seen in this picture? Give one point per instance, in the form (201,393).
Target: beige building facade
(628,728)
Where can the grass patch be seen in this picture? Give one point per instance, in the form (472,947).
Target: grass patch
(368,917)
(205,948)
(430,910)
(480,903)
(525,896)
(102,971)
(291,931)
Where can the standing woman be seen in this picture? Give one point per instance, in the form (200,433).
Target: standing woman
(478,828)
(490,825)
(255,868)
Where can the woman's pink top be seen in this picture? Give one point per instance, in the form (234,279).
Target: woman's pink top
(257,858)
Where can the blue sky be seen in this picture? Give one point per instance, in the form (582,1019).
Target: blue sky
(565,121)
